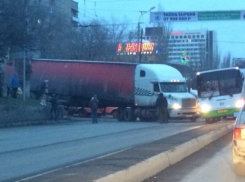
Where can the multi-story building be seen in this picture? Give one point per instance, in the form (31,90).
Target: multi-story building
(198,48)
(68,8)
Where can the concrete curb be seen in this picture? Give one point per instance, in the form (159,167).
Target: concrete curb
(158,163)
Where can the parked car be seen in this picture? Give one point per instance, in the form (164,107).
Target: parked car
(238,143)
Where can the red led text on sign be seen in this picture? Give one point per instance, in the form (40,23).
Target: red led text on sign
(131,47)
(135,47)
(119,48)
(147,47)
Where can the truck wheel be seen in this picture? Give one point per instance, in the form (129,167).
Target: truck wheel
(114,114)
(209,120)
(240,169)
(70,112)
(194,119)
(129,114)
(119,114)
(143,118)
(83,113)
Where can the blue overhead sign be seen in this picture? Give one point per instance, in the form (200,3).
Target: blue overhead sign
(159,17)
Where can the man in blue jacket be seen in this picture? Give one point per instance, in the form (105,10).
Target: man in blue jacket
(15,83)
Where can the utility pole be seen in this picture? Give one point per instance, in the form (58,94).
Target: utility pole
(141,45)
(24,75)
(138,37)
(139,34)
(24,53)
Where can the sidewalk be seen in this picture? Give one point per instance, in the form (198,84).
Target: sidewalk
(139,163)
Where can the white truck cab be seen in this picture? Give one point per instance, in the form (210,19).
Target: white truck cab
(150,80)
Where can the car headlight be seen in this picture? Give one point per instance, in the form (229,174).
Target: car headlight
(239,103)
(205,108)
(176,106)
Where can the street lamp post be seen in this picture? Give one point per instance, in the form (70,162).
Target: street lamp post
(24,75)
(139,34)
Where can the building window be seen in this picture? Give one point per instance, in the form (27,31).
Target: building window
(180,37)
(202,36)
(198,36)
(193,36)
(176,37)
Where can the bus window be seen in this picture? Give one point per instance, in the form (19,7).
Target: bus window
(230,85)
(210,88)
(218,83)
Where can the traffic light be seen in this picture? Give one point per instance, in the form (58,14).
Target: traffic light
(184,59)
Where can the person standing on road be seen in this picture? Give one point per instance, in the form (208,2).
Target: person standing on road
(94,106)
(15,83)
(54,105)
(44,92)
(162,108)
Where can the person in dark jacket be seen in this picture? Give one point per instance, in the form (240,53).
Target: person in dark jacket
(15,83)
(162,107)
(54,105)
(94,106)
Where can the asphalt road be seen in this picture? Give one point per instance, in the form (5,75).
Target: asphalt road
(211,164)
(27,151)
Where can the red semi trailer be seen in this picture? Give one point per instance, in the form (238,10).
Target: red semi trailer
(131,87)
(113,83)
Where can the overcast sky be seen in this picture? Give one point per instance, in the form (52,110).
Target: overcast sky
(230,34)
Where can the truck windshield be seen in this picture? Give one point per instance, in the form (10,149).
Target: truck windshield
(218,83)
(173,87)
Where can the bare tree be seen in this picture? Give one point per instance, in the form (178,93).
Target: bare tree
(92,39)
(56,37)
(163,45)
(13,24)
(116,34)
(202,62)
(98,40)
(217,59)
(226,61)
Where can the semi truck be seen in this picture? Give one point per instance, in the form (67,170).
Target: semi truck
(130,87)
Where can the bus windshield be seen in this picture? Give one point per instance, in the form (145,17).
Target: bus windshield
(173,87)
(219,83)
